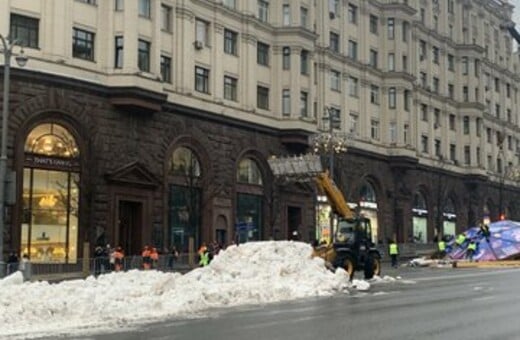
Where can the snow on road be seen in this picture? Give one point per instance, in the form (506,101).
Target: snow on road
(252,273)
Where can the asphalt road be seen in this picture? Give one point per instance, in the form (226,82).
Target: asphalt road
(426,304)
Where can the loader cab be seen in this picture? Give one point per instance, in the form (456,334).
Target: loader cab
(355,231)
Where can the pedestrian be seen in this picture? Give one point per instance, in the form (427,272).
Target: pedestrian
(204,258)
(471,250)
(172,258)
(12,263)
(393,251)
(25,267)
(147,260)
(154,258)
(99,259)
(442,248)
(118,259)
(461,238)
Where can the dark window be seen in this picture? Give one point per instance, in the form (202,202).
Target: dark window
(230,88)
(286,58)
(262,54)
(166,69)
(201,80)
(304,62)
(118,62)
(262,97)
(82,44)
(90,2)
(373,24)
(166,18)
(144,56)
(119,5)
(230,42)
(25,30)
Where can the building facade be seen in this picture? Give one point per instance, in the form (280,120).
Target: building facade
(150,122)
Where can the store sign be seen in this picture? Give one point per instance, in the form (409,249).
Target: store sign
(40,161)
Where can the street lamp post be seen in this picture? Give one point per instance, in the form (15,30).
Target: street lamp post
(21,60)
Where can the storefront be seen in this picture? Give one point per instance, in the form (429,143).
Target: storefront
(368,205)
(419,219)
(249,202)
(51,177)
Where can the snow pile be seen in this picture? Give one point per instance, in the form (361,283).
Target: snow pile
(252,273)
(428,262)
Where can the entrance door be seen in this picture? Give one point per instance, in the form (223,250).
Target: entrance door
(130,226)
(294,221)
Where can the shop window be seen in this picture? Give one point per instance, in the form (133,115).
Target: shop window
(51,182)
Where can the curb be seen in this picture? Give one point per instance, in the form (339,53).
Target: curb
(486,264)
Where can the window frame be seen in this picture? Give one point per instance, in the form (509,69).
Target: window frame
(90,44)
(202,79)
(30,27)
(230,88)
(143,55)
(166,69)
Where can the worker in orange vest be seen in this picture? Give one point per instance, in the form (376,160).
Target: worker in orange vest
(147,260)
(154,257)
(118,255)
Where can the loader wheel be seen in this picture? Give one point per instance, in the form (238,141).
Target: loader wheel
(348,265)
(372,267)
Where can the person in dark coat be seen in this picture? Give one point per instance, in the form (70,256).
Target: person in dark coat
(12,263)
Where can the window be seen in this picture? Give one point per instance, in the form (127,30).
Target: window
(452,122)
(465,65)
(354,117)
(352,50)
(508,90)
(166,69)
(335,80)
(352,14)
(304,17)
(262,54)
(304,62)
(201,79)
(393,132)
(497,110)
(407,97)
(263,10)
(230,88)
(435,84)
(373,58)
(304,110)
(465,93)
(286,58)
(406,133)
(477,152)
(476,67)
(451,6)
(391,28)
(438,148)
(374,94)
(451,62)
(509,117)
(373,24)
(424,112)
(286,102)
(451,91)
(230,3)
(435,23)
(489,135)
(497,85)
(166,18)
(83,44)
(405,62)
(391,62)
(90,2)
(424,144)
(465,125)
(25,30)
(334,8)
(202,31)
(391,98)
(374,129)
(262,97)
(334,42)
(143,55)
(119,5)
(424,79)
(118,62)
(144,8)
(436,118)
(230,42)
(353,86)
(286,10)
(467,154)
(435,52)
(423,15)
(406,28)
(249,172)
(478,126)
(422,50)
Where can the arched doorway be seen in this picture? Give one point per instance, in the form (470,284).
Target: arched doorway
(419,219)
(368,208)
(184,198)
(249,204)
(449,217)
(51,181)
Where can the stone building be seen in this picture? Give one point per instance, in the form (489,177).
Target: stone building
(151,122)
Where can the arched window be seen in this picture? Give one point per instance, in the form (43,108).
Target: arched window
(367,193)
(51,182)
(184,198)
(248,172)
(419,220)
(249,205)
(449,218)
(184,163)
(368,203)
